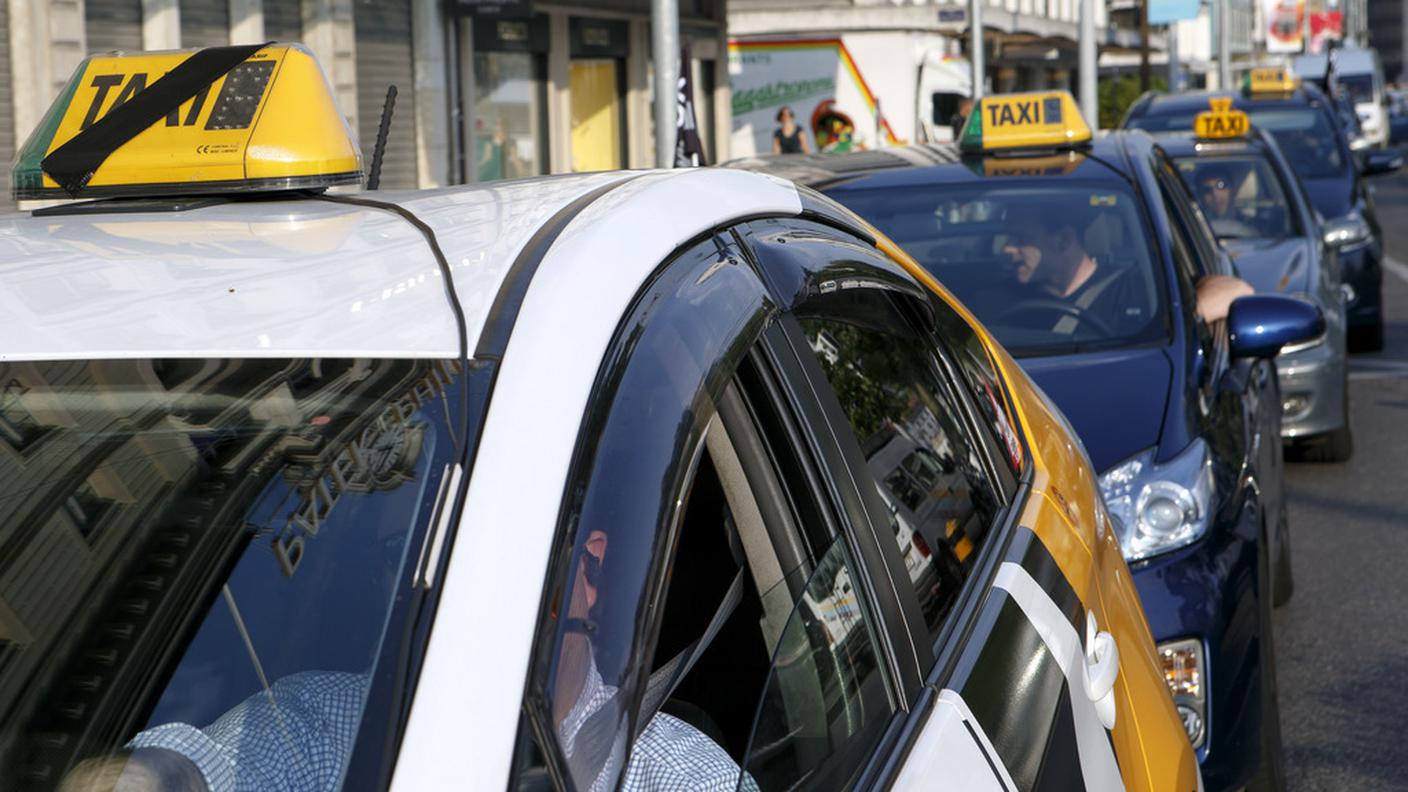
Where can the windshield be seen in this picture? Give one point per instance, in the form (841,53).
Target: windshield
(1360,87)
(1304,134)
(1049,269)
(206,562)
(1240,195)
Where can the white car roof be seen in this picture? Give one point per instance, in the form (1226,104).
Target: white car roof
(309,277)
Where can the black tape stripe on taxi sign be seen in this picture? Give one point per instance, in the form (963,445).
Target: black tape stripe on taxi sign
(75,162)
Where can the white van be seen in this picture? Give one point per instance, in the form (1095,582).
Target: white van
(1360,73)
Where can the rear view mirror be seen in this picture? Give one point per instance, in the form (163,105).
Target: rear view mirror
(1382,161)
(1259,325)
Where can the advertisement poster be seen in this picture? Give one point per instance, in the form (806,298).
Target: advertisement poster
(817,79)
(1325,26)
(1285,21)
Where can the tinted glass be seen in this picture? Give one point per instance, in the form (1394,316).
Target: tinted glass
(1360,87)
(1241,196)
(825,705)
(924,464)
(1048,269)
(210,557)
(1311,144)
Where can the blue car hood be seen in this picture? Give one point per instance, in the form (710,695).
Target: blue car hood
(1272,266)
(1115,400)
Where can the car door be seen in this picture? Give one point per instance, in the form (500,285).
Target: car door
(1011,653)
(710,618)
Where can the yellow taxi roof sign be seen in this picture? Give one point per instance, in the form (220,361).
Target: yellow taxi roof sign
(268,123)
(1221,121)
(1277,81)
(1040,119)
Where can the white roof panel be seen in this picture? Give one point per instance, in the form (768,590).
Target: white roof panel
(265,278)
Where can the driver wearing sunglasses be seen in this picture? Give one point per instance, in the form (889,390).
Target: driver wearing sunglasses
(1215,192)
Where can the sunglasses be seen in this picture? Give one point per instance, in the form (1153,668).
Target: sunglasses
(1218,184)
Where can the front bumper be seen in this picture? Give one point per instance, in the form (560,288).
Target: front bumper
(1208,591)
(1312,389)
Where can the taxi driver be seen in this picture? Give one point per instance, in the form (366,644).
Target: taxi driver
(1046,245)
(1215,191)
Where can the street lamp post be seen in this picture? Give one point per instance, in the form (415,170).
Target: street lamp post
(1224,46)
(1089,95)
(975,46)
(665,38)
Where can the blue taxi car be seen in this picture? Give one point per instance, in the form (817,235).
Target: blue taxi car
(1307,126)
(1261,215)
(1084,257)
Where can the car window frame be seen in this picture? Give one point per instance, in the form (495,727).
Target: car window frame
(536,732)
(959,623)
(891,277)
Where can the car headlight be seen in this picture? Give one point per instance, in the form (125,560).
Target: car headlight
(1347,232)
(1157,508)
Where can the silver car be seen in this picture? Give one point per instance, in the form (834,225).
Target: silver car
(1261,214)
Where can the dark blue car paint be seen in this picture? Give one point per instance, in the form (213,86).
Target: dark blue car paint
(1121,417)
(1121,402)
(1209,591)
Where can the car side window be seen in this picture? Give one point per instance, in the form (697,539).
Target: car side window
(1187,271)
(883,368)
(702,599)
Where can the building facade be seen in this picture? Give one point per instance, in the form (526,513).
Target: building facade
(551,88)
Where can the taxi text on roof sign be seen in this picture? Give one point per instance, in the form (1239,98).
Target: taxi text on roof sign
(1271,81)
(1221,121)
(1043,119)
(269,123)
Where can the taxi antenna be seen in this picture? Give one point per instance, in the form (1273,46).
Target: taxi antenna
(374,172)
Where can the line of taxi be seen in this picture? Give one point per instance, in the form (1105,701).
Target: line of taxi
(1097,261)
(311,489)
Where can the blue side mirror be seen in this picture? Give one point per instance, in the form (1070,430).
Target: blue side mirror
(1382,161)
(1259,325)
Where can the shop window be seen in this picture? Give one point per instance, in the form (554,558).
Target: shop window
(510,114)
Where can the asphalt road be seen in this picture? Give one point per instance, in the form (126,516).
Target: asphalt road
(1342,641)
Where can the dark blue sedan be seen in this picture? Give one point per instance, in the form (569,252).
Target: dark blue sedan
(1308,129)
(1084,260)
